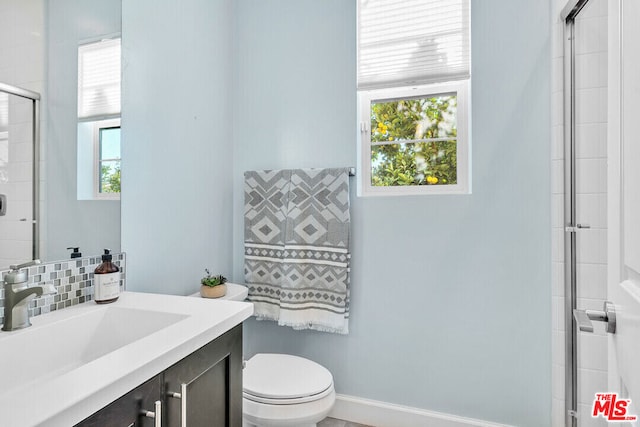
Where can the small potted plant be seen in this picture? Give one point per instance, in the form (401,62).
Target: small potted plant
(213,286)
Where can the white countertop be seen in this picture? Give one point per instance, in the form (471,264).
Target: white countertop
(67,398)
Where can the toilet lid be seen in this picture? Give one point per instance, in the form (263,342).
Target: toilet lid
(282,376)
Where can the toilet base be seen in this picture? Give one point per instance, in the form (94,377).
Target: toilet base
(248,424)
(306,414)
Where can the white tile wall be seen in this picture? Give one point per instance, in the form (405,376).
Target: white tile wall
(558,277)
(588,105)
(597,357)
(589,382)
(557,254)
(591,176)
(557,412)
(591,34)
(591,113)
(557,177)
(592,248)
(558,343)
(592,209)
(557,208)
(557,146)
(591,277)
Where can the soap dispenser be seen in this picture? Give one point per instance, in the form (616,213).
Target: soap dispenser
(106,280)
(76,252)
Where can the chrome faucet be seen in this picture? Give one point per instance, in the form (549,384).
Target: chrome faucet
(17,296)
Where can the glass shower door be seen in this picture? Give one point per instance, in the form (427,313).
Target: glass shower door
(17,213)
(590,159)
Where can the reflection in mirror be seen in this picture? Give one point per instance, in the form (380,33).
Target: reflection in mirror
(39,52)
(18,144)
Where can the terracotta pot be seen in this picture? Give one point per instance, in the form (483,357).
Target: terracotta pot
(213,291)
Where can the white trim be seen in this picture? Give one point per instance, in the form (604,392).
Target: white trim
(103,37)
(461,89)
(382,414)
(409,141)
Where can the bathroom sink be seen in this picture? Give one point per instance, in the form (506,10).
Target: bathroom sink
(73,362)
(37,352)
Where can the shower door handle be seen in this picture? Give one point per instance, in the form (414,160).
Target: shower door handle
(608,315)
(3,204)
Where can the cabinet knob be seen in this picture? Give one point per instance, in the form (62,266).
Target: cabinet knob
(156,414)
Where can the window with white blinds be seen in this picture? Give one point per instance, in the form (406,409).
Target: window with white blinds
(409,42)
(99,79)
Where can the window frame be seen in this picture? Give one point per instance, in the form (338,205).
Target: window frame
(463,145)
(98,125)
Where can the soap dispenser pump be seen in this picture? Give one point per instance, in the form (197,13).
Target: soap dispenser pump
(76,252)
(106,280)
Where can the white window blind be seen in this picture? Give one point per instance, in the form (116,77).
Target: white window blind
(408,42)
(99,79)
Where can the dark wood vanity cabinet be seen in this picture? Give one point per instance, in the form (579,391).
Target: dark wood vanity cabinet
(126,411)
(203,389)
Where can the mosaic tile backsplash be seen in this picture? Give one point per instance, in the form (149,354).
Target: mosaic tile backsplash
(72,278)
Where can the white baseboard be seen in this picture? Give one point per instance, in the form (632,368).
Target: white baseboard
(382,414)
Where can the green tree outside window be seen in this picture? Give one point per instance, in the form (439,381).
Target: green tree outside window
(413,141)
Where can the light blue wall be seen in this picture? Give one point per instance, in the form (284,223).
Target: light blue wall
(451,295)
(91,225)
(176,142)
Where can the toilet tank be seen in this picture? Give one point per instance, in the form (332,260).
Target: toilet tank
(235,292)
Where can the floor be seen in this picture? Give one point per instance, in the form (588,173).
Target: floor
(332,422)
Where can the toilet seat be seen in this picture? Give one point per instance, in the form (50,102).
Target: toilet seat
(283,379)
(290,401)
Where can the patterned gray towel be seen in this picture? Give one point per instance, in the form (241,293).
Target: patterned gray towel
(296,240)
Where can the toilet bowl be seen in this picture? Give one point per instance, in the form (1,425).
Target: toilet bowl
(281,390)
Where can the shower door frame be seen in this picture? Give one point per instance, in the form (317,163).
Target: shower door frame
(35,132)
(571,227)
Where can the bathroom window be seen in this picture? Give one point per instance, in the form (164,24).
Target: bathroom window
(413,86)
(415,140)
(107,163)
(99,142)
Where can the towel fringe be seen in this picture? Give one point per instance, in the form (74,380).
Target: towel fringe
(304,326)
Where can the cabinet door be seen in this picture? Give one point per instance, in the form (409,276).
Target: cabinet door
(127,410)
(205,388)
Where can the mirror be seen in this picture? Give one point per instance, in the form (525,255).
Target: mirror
(40,53)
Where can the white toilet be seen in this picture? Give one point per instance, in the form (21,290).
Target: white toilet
(280,390)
